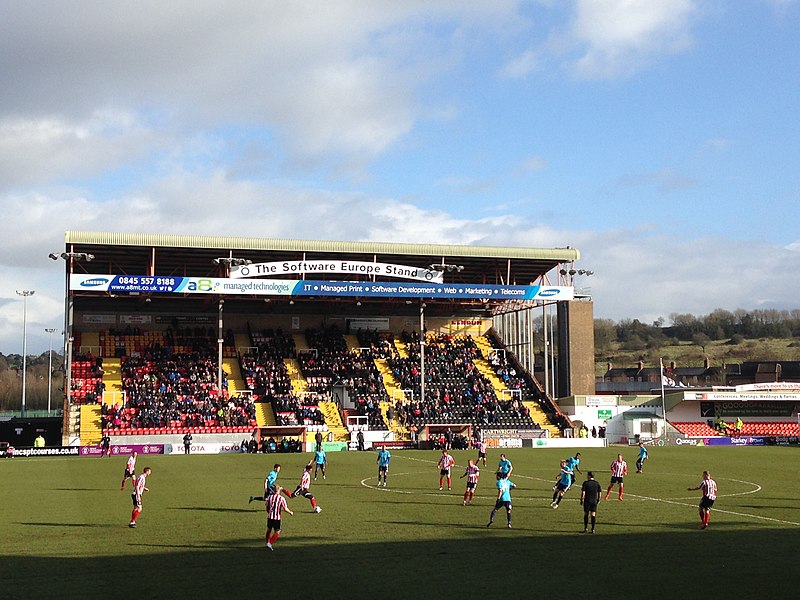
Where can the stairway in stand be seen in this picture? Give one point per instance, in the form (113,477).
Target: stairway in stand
(231,368)
(352,342)
(299,383)
(243,342)
(538,416)
(90,424)
(300,342)
(395,393)
(334,421)
(483,366)
(112,377)
(265,416)
(401,348)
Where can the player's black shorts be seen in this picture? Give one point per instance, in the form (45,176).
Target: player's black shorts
(445,472)
(706,503)
(383,469)
(502,503)
(563,487)
(589,506)
(481,455)
(471,485)
(137,500)
(274,524)
(128,474)
(299,491)
(615,480)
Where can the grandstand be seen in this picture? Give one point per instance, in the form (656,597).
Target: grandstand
(240,336)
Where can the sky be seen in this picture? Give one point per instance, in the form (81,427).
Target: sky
(661,138)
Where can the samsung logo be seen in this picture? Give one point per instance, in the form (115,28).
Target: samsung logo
(94,282)
(550,292)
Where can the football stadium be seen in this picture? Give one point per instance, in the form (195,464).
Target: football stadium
(221,373)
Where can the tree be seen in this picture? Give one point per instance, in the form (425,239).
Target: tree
(701,339)
(605,335)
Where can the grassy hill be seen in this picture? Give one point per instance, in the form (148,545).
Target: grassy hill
(688,354)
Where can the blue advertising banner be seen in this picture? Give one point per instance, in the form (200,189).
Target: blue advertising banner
(143,284)
(735,441)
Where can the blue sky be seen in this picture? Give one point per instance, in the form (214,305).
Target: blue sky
(659,137)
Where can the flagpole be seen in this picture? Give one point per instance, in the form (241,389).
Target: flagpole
(663,403)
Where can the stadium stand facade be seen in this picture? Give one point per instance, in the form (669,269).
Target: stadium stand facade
(168,335)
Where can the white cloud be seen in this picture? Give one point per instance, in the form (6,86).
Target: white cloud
(534,163)
(638,273)
(520,65)
(46,149)
(330,79)
(644,274)
(619,37)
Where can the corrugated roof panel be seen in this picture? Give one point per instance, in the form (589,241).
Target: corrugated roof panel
(248,243)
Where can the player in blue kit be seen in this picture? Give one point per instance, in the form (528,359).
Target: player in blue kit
(504,486)
(269,484)
(320,460)
(564,482)
(383,464)
(504,467)
(573,463)
(642,457)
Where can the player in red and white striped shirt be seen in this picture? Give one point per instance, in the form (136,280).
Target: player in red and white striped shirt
(472,473)
(275,505)
(139,488)
(481,452)
(302,488)
(130,468)
(709,487)
(619,468)
(445,463)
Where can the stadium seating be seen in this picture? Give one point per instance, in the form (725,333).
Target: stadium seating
(770,429)
(778,429)
(168,378)
(696,429)
(456,390)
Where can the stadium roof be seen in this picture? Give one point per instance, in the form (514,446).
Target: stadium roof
(191,255)
(194,256)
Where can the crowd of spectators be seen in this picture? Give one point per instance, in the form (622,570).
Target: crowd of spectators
(263,366)
(164,388)
(292,410)
(270,445)
(331,363)
(380,343)
(454,387)
(167,389)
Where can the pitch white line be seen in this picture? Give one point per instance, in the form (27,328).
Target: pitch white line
(716,510)
(756,488)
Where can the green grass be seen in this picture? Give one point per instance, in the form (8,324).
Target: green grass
(63,529)
(687,354)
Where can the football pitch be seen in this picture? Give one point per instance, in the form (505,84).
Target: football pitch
(64,528)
